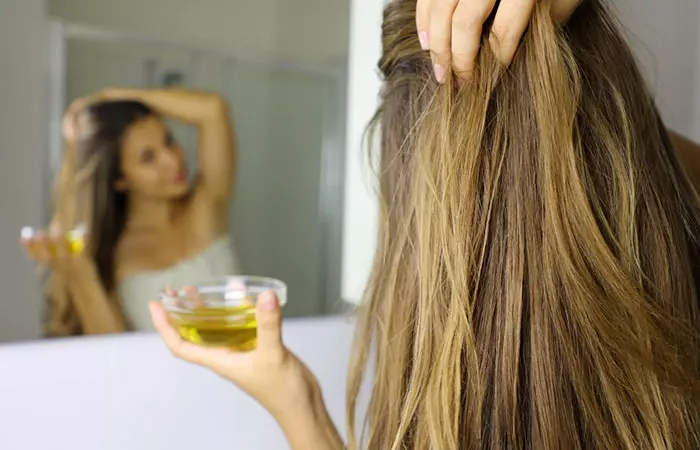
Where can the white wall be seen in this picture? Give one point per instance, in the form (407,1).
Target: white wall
(23,143)
(360,219)
(128,393)
(666,38)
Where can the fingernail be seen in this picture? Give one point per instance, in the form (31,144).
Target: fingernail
(439,72)
(267,301)
(423,38)
(190,292)
(27,233)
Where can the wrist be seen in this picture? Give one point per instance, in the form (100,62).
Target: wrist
(79,268)
(309,426)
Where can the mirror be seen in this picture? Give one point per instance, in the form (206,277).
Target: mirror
(281,69)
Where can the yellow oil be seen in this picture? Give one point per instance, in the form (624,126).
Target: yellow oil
(75,242)
(231,327)
(72,243)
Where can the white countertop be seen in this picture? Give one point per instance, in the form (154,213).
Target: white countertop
(128,393)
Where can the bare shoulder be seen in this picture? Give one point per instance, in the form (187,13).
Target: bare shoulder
(685,145)
(689,154)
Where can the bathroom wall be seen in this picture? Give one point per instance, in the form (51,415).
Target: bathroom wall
(361,207)
(666,38)
(23,65)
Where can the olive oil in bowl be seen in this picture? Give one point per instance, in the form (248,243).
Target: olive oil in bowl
(220,314)
(233,327)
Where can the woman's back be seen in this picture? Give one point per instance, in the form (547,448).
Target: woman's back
(536,279)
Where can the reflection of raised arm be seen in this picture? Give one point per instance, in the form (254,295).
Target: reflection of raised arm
(689,153)
(208,112)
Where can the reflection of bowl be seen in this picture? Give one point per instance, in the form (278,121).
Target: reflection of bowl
(221,313)
(73,240)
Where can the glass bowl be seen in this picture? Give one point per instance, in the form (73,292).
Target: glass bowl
(221,313)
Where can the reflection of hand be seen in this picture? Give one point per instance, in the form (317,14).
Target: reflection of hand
(69,124)
(58,252)
(271,374)
(451,29)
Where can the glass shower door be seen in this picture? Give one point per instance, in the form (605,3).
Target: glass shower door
(276,216)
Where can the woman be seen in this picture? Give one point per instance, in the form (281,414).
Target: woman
(125,177)
(536,279)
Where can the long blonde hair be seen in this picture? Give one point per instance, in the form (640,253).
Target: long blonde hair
(535,283)
(85,194)
(62,319)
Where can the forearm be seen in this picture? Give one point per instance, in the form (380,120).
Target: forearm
(97,314)
(189,106)
(312,429)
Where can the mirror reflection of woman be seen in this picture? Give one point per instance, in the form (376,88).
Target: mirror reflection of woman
(125,177)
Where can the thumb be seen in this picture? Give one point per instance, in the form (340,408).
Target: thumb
(269,317)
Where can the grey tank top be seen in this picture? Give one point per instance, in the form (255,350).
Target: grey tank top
(137,290)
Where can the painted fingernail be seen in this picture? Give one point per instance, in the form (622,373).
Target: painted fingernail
(423,38)
(439,72)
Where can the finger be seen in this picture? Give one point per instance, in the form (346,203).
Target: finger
(467,26)
(511,21)
(40,249)
(180,348)
(68,128)
(269,317)
(440,33)
(423,23)
(77,106)
(173,297)
(27,245)
(55,242)
(59,245)
(27,241)
(193,296)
